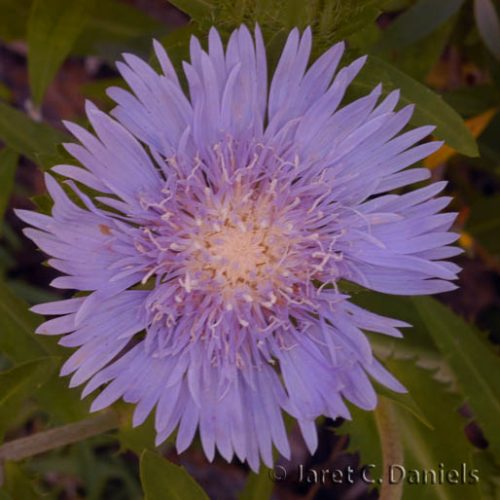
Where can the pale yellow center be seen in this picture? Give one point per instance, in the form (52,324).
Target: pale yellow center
(241,255)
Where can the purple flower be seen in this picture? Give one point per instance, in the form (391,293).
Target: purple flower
(221,225)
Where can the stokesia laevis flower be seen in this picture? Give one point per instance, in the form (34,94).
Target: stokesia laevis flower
(220,229)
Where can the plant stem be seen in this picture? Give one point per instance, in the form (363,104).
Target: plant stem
(60,436)
(392,449)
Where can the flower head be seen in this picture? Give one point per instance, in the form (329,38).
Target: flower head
(219,228)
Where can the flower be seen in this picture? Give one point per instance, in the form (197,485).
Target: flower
(215,235)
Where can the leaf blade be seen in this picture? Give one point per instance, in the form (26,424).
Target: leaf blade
(26,136)
(257,486)
(475,366)
(163,480)
(19,343)
(53,28)
(19,383)
(197,9)
(8,166)
(488,24)
(419,21)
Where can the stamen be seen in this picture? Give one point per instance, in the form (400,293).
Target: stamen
(250,247)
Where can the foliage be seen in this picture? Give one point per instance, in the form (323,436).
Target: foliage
(429,49)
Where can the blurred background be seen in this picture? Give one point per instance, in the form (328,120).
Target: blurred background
(55,54)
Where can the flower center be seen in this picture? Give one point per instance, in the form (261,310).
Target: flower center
(241,253)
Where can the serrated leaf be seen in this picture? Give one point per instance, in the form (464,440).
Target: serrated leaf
(475,366)
(444,447)
(416,342)
(258,486)
(26,136)
(488,24)
(53,28)
(405,401)
(8,165)
(163,480)
(416,23)
(19,383)
(430,108)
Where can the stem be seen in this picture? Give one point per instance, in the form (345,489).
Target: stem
(392,449)
(60,436)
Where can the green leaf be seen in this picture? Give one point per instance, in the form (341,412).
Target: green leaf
(416,23)
(199,10)
(113,19)
(5,92)
(489,144)
(352,17)
(8,166)
(363,436)
(32,294)
(43,203)
(53,28)
(136,439)
(17,325)
(489,474)
(476,368)
(416,343)
(472,101)
(13,19)
(112,28)
(19,343)
(19,383)
(418,59)
(115,27)
(163,480)
(258,486)
(17,484)
(488,24)
(330,21)
(26,136)
(430,108)
(405,401)
(445,448)
(484,223)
